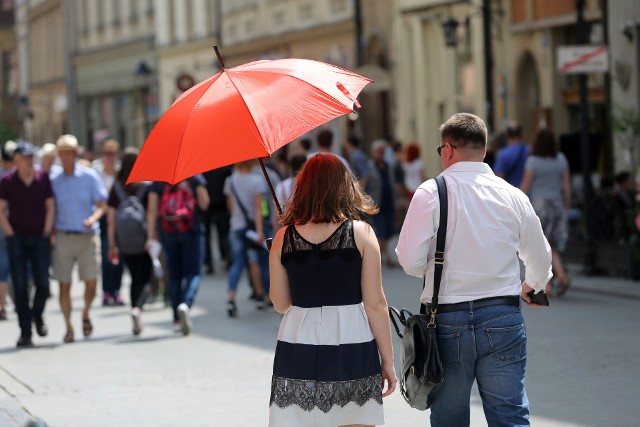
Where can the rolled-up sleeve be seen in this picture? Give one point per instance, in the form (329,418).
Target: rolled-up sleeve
(418,231)
(534,250)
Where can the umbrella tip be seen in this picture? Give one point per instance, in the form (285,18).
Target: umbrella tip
(215,48)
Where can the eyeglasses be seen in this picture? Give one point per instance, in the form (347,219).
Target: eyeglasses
(109,153)
(439,148)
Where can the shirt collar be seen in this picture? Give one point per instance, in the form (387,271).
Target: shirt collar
(479,167)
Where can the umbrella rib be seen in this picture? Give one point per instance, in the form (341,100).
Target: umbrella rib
(249,110)
(184,130)
(305,81)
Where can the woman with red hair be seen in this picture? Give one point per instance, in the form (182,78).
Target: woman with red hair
(413,169)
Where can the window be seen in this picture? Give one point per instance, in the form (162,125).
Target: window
(278,20)
(84,16)
(305,12)
(133,10)
(116,12)
(337,7)
(99,12)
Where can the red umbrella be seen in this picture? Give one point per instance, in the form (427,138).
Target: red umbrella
(243,113)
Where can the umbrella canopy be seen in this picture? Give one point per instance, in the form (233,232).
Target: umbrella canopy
(243,113)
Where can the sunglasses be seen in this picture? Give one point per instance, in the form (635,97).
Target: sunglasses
(439,148)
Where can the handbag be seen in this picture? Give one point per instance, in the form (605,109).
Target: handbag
(421,374)
(249,232)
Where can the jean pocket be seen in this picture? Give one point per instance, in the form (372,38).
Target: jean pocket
(449,347)
(507,344)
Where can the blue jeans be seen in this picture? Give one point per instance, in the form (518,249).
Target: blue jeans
(111,274)
(36,252)
(242,256)
(184,253)
(488,345)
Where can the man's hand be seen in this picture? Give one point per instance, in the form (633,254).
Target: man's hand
(525,290)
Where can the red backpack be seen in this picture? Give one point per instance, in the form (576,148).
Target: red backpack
(177,208)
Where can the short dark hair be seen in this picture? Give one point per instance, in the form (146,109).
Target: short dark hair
(544,144)
(296,162)
(622,177)
(465,129)
(306,144)
(353,140)
(325,138)
(514,130)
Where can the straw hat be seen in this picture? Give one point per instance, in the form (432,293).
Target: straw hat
(67,142)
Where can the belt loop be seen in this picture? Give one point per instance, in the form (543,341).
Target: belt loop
(470,307)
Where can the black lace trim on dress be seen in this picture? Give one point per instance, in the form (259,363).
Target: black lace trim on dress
(341,243)
(324,394)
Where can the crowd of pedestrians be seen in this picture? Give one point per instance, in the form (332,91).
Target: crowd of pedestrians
(60,212)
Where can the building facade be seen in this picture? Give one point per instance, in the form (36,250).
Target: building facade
(9,77)
(624,41)
(269,29)
(114,69)
(45,71)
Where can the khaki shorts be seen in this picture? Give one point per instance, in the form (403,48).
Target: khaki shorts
(71,248)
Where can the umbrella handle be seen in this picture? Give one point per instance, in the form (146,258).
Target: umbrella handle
(273,193)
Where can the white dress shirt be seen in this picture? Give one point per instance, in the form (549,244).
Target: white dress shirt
(489,223)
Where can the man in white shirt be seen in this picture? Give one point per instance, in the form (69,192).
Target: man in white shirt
(481,333)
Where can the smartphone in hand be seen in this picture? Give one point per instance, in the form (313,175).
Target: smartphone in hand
(540,298)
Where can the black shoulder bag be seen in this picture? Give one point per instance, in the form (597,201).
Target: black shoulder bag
(421,374)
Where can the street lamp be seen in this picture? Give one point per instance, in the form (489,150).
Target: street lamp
(450,28)
(143,73)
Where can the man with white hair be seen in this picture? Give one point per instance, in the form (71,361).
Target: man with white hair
(47,155)
(80,203)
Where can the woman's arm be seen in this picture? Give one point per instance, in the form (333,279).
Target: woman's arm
(152,215)
(374,300)
(202,197)
(279,291)
(526,181)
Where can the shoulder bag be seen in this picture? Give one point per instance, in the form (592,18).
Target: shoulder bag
(421,374)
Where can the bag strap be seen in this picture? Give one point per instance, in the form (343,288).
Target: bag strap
(122,195)
(440,245)
(242,208)
(514,166)
(141,191)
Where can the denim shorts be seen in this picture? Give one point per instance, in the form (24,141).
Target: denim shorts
(4,260)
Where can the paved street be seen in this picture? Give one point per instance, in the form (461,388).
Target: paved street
(582,370)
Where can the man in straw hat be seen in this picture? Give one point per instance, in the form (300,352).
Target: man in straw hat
(80,203)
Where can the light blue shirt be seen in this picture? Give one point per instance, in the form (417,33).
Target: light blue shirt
(76,197)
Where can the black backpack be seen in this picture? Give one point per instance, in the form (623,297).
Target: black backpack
(131,220)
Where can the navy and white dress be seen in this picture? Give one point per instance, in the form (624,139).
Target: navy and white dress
(326,370)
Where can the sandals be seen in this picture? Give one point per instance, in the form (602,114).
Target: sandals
(87,327)
(68,337)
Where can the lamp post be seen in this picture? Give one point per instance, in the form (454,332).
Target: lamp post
(143,73)
(450,29)
(585,148)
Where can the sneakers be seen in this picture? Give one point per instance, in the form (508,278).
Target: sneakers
(41,327)
(232,309)
(112,300)
(185,318)
(107,299)
(136,318)
(24,341)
